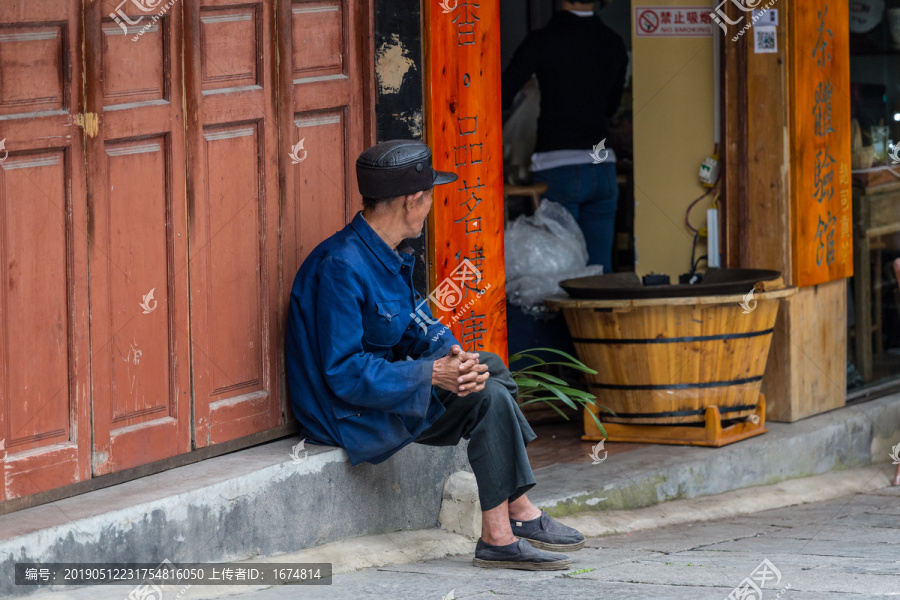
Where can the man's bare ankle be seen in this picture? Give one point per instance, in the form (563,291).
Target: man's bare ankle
(524,514)
(500,540)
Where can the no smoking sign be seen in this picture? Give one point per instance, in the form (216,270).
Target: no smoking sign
(672,21)
(647,22)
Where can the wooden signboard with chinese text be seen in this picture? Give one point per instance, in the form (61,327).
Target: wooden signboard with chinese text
(464,131)
(820,142)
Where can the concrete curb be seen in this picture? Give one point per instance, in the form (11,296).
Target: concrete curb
(346,556)
(252,503)
(736,503)
(407,547)
(258,502)
(849,437)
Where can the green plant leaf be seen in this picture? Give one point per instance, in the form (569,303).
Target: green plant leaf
(534,384)
(538,399)
(553,389)
(555,351)
(526,354)
(546,376)
(579,394)
(538,368)
(599,424)
(527,382)
(579,367)
(606,408)
(600,406)
(548,401)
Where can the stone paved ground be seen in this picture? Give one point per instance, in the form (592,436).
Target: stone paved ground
(843,548)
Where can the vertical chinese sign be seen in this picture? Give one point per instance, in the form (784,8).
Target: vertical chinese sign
(820,142)
(464,131)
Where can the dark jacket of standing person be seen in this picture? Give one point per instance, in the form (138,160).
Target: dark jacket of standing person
(580,65)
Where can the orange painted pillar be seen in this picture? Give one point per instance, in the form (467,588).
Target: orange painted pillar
(464,130)
(820,142)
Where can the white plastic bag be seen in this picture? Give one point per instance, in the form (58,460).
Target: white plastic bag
(541,251)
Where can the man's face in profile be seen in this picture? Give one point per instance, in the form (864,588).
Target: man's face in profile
(420,212)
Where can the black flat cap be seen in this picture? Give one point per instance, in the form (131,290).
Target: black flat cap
(396,168)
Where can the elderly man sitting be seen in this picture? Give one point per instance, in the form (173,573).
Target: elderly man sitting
(365,376)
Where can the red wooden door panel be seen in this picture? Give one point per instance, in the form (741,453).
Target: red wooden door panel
(326,93)
(135,157)
(233,217)
(44,361)
(126,178)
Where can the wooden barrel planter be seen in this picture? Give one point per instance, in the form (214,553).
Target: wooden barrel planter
(667,361)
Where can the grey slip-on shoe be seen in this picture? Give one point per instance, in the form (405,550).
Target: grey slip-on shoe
(546,533)
(518,555)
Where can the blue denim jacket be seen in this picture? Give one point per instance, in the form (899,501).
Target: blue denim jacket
(349,339)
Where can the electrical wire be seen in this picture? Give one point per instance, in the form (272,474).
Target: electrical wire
(687,213)
(693,250)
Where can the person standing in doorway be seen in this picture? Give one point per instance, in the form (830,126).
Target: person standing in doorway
(580,65)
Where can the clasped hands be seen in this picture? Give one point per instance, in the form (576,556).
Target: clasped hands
(460,372)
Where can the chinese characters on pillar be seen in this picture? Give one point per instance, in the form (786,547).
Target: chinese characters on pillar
(820,144)
(824,170)
(468,157)
(463,130)
(465,20)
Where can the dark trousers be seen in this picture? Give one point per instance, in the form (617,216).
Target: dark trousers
(497,432)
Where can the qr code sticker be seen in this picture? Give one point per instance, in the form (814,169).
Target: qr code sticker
(765,39)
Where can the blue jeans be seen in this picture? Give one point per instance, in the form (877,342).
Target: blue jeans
(591,194)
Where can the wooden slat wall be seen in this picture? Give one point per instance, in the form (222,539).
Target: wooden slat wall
(805,371)
(734,215)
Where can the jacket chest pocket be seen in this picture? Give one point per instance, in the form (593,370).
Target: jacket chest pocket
(384,327)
